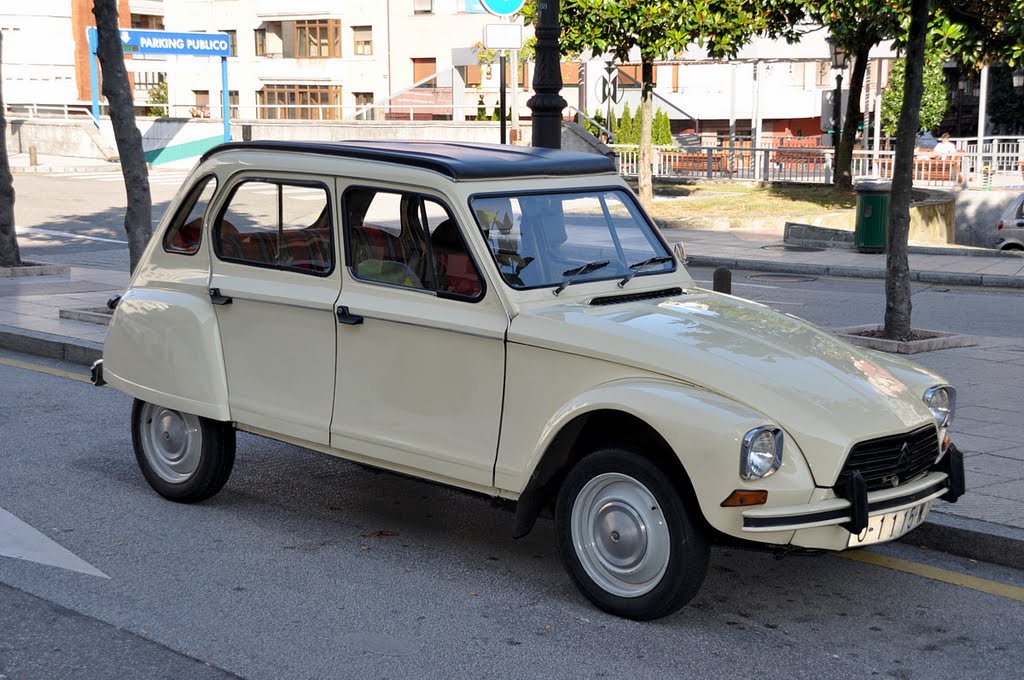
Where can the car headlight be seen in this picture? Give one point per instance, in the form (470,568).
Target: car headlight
(941,402)
(761,453)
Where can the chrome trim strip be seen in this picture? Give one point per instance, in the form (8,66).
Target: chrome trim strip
(329,310)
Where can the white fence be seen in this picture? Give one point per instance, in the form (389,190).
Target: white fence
(1001,164)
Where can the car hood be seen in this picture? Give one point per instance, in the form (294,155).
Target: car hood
(824,392)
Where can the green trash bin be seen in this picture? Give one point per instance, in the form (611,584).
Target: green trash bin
(872,216)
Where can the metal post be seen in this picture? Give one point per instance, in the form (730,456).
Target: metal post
(722,281)
(94,76)
(837,111)
(502,86)
(982,117)
(225,98)
(866,136)
(515,95)
(547,104)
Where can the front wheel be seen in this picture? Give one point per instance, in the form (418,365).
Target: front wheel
(626,536)
(184,457)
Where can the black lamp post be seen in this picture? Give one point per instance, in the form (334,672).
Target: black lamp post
(838,54)
(546,104)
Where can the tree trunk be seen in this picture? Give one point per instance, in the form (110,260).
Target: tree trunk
(897,279)
(10,254)
(644,179)
(138,217)
(844,154)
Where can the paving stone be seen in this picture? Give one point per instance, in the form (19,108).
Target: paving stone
(1013,490)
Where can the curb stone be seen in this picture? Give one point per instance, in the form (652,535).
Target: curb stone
(970,538)
(50,346)
(945,278)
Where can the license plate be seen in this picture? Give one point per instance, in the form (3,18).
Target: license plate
(890,525)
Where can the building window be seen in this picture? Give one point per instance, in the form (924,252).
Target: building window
(300,102)
(423,6)
(260,34)
(362,37)
(202,106)
(233,39)
(423,68)
(363,99)
(320,39)
(232,101)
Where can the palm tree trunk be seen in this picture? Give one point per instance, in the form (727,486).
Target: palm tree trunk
(897,279)
(10,254)
(138,217)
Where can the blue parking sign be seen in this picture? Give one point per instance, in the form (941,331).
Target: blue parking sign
(503,8)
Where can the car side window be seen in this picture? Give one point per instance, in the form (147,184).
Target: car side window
(281,225)
(186,231)
(410,240)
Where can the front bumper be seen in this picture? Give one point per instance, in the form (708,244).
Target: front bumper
(945,480)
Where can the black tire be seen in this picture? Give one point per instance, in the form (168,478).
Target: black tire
(209,467)
(688,551)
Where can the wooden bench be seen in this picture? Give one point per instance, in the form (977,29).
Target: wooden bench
(799,151)
(946,169)
(689,162)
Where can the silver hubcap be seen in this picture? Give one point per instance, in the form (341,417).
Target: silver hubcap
(620,535)
(172,443)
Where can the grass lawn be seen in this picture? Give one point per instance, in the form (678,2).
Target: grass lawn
(730,199)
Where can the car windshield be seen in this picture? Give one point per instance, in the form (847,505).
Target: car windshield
(543,239)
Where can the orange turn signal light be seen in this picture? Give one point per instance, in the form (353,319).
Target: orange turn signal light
(945,443)
(742,498)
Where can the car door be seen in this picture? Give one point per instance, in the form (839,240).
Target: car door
(421,341)
(273,285)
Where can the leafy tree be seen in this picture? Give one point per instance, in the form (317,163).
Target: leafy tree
(625,133)
(157,96)
(657,28)
(662,129)
(933,100)
(10,254)
(1006,102)
(138,217)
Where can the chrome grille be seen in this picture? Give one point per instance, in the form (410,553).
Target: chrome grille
(888,461)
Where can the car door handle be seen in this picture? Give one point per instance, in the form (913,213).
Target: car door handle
(348,318)
(218,299)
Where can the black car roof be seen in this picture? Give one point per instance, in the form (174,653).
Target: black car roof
(457,160)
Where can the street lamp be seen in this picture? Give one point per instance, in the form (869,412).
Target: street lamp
(838,54)
(546,104)
(1018,78)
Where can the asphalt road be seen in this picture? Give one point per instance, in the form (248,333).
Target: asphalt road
(281,576)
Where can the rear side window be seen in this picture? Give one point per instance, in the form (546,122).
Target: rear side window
(281,225)
(186,231)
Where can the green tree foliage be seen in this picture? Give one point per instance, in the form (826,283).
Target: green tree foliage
(662,130)
(658,28)
(934,101)
(158,96)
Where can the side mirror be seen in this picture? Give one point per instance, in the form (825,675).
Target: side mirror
(679,250)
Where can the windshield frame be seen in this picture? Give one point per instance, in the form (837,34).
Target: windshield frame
(626,192)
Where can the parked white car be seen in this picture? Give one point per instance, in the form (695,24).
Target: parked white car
(1010,229)
(508,320)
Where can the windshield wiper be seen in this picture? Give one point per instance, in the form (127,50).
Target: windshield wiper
(577,272)
(636,268)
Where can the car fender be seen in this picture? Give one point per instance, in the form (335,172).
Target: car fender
(164,347)
(1005,242)
(704,430)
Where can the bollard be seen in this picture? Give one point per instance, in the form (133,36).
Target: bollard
(33,156)
(722,281)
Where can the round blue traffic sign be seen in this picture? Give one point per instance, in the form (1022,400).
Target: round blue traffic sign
(502,8)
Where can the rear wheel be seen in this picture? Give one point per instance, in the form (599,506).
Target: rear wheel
(184,457)
(626,536)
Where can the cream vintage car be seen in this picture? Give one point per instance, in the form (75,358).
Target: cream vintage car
(507,320)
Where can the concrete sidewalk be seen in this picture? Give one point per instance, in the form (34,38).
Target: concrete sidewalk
(765,251)
(46,164)
(987,524)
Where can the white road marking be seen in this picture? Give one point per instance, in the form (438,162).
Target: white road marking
(22,542)
(65,234)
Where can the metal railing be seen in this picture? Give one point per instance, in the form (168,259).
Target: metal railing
(62,111)
(1000,165)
